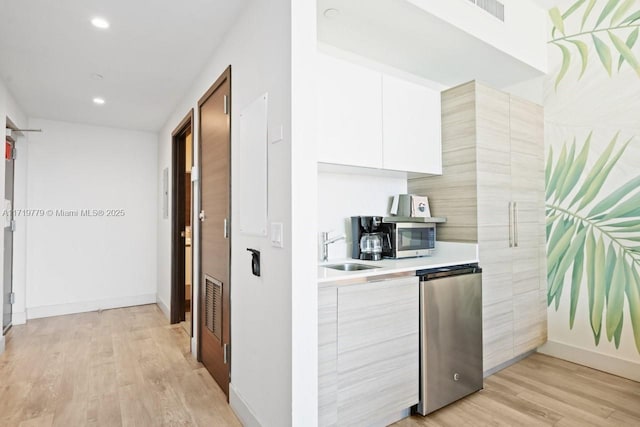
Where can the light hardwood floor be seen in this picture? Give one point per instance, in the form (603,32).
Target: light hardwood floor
(543,391)
(123,367)
(130,367)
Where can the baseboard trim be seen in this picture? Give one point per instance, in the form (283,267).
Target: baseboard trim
(602,362)
(194,347)
(86,306)
(241,408)
(19,318)
(1,344)
(163,307)
(506,364)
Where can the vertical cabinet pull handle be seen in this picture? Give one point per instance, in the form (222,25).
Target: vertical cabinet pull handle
(515,224)
(510,225)
(225,226)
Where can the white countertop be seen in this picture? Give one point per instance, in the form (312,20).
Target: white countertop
(446,254)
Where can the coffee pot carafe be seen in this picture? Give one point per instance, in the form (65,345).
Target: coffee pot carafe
(371,246)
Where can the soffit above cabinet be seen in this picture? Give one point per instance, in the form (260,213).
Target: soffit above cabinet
(407,37)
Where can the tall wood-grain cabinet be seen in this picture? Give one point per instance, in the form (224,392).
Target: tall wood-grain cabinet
(492,193)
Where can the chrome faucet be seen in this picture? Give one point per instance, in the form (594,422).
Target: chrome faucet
(326,241)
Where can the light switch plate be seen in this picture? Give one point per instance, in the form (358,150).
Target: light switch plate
(276,134)
(277,239)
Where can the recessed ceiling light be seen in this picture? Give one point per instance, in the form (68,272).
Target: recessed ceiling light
(331,13)
(101,23)
(98,101)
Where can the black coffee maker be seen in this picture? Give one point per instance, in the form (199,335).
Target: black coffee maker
(368,239)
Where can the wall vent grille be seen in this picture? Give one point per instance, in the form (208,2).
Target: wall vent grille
(213,306)
(494,7)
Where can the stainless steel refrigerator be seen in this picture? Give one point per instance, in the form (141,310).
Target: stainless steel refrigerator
(450,335)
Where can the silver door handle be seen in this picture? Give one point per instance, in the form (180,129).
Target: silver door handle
(225,232)
(515,224)
(510,225)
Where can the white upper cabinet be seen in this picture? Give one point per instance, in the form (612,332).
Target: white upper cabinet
(411,127)
(374,120)
(349,114)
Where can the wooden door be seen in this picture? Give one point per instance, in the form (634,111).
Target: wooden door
(215,188)
(180,198)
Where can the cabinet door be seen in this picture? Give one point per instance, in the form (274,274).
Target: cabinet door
(378,349)
(349,114)
(411,127)
(527,192)
(494,225)
(527,189)
(327,357)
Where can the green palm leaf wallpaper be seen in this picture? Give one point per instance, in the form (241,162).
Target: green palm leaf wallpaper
(614,34)
(592,105)
(594,236)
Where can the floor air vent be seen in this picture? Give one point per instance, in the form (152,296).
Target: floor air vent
(494,7)
(213,305)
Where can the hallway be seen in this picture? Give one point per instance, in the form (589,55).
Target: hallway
(117,367)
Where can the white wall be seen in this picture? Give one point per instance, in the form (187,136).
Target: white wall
(522,35)
(531,90)
(77,264)
(259,49)
(304,293)
(10,108)
(343,195)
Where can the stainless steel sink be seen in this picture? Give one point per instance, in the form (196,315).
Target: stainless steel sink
(351,267)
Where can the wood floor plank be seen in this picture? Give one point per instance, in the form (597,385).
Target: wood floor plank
(544,391)
(523,383)
(45,420)
(122,367)
(129,367)
(583,386)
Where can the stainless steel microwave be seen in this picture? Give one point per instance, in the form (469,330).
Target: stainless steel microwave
(409,239)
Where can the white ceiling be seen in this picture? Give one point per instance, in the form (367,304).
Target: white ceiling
(149,56)
(396,33)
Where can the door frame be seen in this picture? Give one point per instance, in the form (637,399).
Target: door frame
(13,142)
(178,201)
(224,77)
